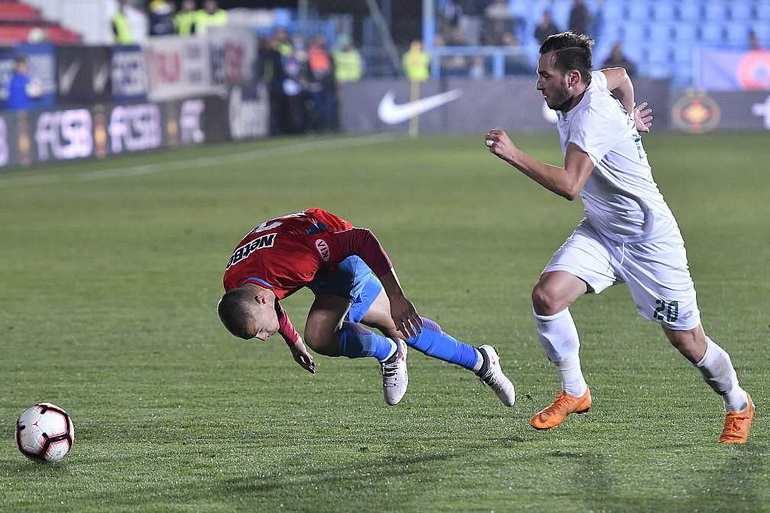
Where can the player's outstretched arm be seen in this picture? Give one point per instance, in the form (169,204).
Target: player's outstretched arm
(293,340)
(565,181)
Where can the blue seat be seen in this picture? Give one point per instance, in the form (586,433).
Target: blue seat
(560,10)
(660,33)
(682,54)
(715,10)
(737,33)
(741,11)
(611,32)
(658,54)
(685,32)
(613,11)
(762,10)
(663,12)
(633,34)
(762,31)
(639,11)
(711,33)
(689,10)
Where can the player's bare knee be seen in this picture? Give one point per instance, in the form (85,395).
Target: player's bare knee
(545,300)
(321,342)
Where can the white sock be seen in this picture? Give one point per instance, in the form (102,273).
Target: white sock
(717,369)
(479,361)
(559,338)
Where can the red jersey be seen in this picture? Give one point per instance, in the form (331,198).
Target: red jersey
(284,254)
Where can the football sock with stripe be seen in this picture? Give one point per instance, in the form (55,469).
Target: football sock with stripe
(434,342)
(358,342)
(718,371)
(559,338)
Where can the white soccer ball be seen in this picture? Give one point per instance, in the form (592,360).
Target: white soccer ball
(44,432)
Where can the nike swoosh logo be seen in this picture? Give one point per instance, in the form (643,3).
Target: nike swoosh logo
(392,114)
(67,78)
(100,79)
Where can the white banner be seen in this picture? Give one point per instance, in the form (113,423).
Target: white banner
(178,67)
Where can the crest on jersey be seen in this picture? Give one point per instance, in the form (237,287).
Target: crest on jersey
(240,254)
(323,249)
(696,112)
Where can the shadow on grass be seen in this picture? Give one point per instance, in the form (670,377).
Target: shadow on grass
(305,485)
(733,479)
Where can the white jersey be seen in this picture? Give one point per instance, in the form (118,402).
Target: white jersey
(620,198)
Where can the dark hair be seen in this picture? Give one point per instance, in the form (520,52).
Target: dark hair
(571,51)
(234,312)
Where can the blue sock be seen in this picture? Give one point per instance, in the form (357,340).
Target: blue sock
(434,342)
(358,342)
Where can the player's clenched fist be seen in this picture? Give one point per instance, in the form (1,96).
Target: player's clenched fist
(500,144)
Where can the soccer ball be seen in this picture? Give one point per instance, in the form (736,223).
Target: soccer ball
(44,432)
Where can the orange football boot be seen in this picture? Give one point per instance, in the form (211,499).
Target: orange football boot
(558,410)
(737,425)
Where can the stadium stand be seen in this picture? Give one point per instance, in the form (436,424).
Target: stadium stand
(659,35)
(21,23)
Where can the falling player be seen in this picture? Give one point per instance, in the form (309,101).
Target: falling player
(628,235)
(354,283)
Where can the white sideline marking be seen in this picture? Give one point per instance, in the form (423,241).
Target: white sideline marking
(188,163)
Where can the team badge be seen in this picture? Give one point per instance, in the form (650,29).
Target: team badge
(696,112)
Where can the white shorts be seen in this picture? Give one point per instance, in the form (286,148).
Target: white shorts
(655,272)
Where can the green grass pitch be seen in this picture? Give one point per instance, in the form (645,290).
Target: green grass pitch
(110,272)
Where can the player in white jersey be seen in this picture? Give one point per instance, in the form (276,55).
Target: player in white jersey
(628,234)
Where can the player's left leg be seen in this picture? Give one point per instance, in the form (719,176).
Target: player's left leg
(432,341)
(332,328)
(659,280)
(717,370)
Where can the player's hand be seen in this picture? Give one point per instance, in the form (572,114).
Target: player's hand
(500,144)
(302,356)
(405,316)
(643,118)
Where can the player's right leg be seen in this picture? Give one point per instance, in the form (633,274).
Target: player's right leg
(581,265)
(432,341)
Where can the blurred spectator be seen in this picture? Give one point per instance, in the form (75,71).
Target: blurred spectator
(453,65)
(416,63)
(498,21)
(322,105)
(471,17)
(211,15)
(293,85)
(161,14)
(121,27)
(22,90)
(477,70)
(579,18)
(618,59)
(546,27)
(516,63)
(347,61)
(753,42)
(184,21)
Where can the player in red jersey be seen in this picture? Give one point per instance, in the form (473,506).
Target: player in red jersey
(354,283)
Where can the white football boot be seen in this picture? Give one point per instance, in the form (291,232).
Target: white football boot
(491,374)
(394,375)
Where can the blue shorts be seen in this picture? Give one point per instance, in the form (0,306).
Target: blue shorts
(351,280)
